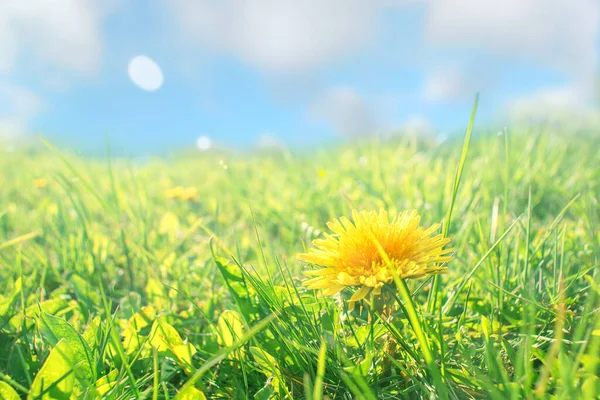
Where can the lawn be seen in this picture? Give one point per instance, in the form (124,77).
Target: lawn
(179,277)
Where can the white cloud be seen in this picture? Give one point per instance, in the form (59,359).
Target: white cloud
(51,36)
(552,105)
(278,35)
(268,140)
(417,126)
(348,113)
(560,34)
(18,105)
(447,84)
(65,34)
(291,35)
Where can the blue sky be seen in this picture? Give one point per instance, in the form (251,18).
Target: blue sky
(303,73)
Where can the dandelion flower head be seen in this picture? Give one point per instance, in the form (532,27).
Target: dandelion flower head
(352,256)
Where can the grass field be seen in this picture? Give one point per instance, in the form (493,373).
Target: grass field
(180,279)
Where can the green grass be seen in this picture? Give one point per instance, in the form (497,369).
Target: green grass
(111,289)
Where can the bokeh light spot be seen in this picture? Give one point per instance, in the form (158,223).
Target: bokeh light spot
(145,73)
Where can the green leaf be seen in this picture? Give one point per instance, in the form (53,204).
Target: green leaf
(362,368)
(155,291)
(7,392)
(32,313)
(237,286)
(132,338)
(265,361)
(166,340)
(55,380)
(190,393)
(56,329)
(590,387)
(268,366)
(230,272)
(230,328)
(107,382)
(91,333)
(266,392)
(84,291)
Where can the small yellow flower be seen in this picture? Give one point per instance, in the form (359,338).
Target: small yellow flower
(40,183)
(173,192)
(189,193)
(351,257)
(182,193)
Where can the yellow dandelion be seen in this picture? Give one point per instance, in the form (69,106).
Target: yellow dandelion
(351,256)
(189,193)
(174,192)
(40,183)
(182,193)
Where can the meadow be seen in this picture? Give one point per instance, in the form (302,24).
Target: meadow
(179,277)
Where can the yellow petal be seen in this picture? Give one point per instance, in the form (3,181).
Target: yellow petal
(320,272)
(351,306)
(316,283)
(345,279)
(333,289)
(360,293)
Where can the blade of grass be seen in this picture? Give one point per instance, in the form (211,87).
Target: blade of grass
(220,356)
(433,298)
(318,388)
